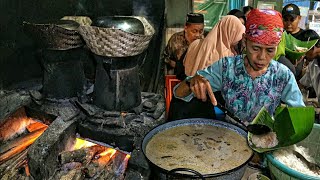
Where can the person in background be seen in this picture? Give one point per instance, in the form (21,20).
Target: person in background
(281,58)
(179,42)
(246,10)
(252,81)
(291,18)
(222,41)
(311,78)
(239,14)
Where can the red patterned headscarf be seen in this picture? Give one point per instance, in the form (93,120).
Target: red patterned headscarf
(264,26)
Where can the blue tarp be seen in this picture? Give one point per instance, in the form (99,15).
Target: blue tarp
(298,3)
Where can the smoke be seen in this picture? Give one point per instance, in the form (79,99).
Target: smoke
(142,9)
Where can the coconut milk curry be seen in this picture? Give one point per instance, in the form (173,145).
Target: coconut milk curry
(206,149)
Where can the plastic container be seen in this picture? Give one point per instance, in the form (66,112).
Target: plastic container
(282,172)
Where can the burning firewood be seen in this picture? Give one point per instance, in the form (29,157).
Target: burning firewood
(96,166)
(20,140)
(109,171)
(36,126)
(13,163)
(26,169)
(117,168)
(20,145)
(14,172)
(83,155)
(14,126)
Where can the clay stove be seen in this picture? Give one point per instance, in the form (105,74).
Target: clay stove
(115,115)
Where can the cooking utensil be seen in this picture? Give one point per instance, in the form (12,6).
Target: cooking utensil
(257,129)
(173,171)
(312,166)
(162,173)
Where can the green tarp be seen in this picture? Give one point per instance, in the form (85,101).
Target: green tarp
(212,10)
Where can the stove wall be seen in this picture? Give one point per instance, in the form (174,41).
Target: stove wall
(19,59)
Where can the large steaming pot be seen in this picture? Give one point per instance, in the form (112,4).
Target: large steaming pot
(232,174)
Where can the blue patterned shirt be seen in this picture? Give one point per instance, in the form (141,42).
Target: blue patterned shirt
(245,96)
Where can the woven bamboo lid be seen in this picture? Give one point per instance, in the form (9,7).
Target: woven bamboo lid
(115,42)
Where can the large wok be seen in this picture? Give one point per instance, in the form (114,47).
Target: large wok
(161,173)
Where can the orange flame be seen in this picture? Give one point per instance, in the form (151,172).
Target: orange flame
(127,157)
(109,151)
(80,143)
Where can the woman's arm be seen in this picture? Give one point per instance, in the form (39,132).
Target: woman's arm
(204,83)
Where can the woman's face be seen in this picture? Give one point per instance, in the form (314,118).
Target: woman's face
(259,55)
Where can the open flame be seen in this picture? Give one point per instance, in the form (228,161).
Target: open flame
(109,152)
(127,157)
(81,143)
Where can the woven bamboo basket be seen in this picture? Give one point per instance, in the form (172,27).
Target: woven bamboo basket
(114,42)
(55,36)
(82,20)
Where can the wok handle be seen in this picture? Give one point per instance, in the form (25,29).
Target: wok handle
(173,171)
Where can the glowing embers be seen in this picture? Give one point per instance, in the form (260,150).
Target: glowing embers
(17,133)
(90,160)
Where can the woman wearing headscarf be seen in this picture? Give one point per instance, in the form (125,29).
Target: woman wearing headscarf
(252,81)
(220,42)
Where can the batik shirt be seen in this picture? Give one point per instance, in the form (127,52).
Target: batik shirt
(245,96)
(177,45)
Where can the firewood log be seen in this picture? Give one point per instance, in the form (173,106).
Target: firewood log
(35,126)
(71,165)
(13,163)
(20,140)
(74,174)
(119,163)
(27,170)
(83,155)
(14,126)
(97,165)
(21,145)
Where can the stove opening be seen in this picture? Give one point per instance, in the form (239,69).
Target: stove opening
(85,159)
(17,133)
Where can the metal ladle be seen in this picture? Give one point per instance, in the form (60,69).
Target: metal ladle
(312,166)
(256,129)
